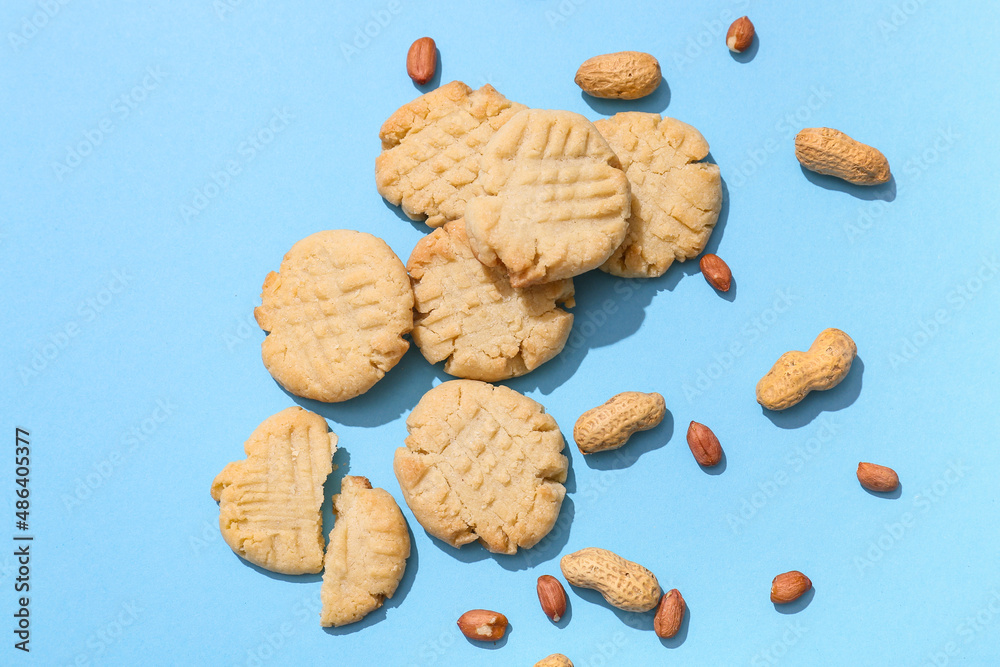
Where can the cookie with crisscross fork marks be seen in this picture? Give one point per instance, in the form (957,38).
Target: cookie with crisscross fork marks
(366,557)
(431,148)
(556,203)
(675,198)
(482,462)
(468,315)
(269,503)
(336,311)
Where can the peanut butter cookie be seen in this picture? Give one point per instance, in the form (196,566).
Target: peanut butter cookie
(269,503)
(431,146)
(366,557)
(482,462)
(675,198)
(556,203)
(468,315)
(336,311)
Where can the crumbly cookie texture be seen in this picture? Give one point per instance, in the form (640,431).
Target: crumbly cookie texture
(336,311)
(482,462)
(431,148)
(269,503)
(468,315)
(675,198)
(556,202)
(366,558)
(555,660)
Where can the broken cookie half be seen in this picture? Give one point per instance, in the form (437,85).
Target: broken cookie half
(366,557)
(269,503)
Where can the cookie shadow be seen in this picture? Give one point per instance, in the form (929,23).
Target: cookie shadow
(655,102)
(678,271)
(393,395)
(720,225)
(570,482)
(831,400)
(608,310)
(331,487)
(419,225)
(637,445)
(290,578)
(885,191)
(548,547)
(405,584)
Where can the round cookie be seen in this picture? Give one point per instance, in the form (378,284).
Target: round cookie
(555,660)
(366,557)
(431,146)
(269,503)
(556,202)
(468,315)
(336,311)
(675,199)
(482,462)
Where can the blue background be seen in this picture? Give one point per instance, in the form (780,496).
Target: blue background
(132,358)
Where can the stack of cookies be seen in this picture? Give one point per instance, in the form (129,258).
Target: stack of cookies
(519,202)
(522,200)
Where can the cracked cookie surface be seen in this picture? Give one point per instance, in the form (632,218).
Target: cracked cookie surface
(269,503)
(431,148)
(336,312)
(366,557)
(556,202)
(676,199)
(468,315)
(482,462)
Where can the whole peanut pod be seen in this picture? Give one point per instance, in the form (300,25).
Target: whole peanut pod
(624,584)
(609,426)
(823,366)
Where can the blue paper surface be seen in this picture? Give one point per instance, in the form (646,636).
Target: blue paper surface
(159,158)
